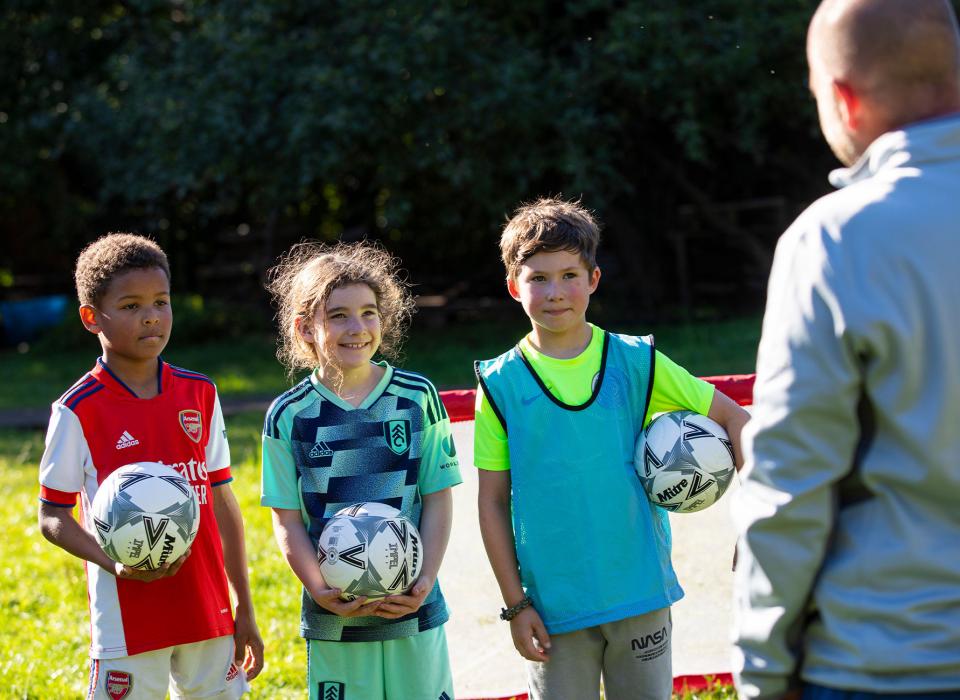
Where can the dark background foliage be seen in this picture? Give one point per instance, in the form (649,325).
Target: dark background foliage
(228,130)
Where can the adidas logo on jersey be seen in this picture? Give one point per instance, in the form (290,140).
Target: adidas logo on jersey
(126,440)
(319,450)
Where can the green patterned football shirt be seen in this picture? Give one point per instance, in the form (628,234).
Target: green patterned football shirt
(320,454)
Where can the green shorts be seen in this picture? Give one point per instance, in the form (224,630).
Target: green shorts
(397,669)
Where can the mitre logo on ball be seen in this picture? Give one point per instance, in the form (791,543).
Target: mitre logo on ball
(685,461)
(370,549)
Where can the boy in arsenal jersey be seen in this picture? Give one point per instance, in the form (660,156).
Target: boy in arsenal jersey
(173,627)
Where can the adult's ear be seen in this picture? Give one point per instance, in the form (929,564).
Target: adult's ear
(849,105)
(88,316)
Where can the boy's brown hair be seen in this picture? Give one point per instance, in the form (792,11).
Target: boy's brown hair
(549,225)
(113,254)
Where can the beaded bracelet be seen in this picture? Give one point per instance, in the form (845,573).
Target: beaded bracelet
(510,613)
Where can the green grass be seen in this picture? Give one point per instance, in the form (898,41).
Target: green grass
(43,609)
(242,367)
(42,596)
(714,692)
(42,605)
(247,367)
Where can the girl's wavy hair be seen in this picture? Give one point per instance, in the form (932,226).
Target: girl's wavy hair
(303,279)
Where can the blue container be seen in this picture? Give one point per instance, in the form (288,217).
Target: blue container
(24,320)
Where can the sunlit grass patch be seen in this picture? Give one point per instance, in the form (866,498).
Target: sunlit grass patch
(43,604)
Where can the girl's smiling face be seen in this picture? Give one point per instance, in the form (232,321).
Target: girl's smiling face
(346,333)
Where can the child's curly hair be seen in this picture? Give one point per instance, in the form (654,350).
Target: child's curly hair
(548,225)
(111,255)
(302,282)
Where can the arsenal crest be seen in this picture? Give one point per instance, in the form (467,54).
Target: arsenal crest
(192,424)
(397,435)
(118,684)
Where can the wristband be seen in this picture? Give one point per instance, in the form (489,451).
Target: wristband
(508,614)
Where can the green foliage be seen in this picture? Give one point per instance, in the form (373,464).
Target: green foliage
(416,122)
(51,54)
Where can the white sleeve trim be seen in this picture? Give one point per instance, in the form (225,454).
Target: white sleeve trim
(218,449)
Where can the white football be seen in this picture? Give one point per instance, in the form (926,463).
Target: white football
(370,549)
(685,461)
(145,515)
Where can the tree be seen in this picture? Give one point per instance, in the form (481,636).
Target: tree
(419,123)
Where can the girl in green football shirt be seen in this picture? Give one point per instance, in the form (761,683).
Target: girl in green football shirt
(358,430)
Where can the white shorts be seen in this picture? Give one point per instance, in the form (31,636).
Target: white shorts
(198,670)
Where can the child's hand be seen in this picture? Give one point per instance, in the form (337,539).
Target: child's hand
(394,606)
(329,599)
(248,645)
(530,635)
(124,571)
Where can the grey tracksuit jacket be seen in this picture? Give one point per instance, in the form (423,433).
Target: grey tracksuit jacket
(849,514)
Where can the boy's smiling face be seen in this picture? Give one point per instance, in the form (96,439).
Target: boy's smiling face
(134,317)
(554,289)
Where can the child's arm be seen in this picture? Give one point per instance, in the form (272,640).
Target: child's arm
(248,648)
(298,550)
(728,414)
(58,526)
(435,521)
(732,417)
(529,633)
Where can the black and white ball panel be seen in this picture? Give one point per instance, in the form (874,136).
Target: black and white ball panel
(370,549)
(685,461)
(145,515)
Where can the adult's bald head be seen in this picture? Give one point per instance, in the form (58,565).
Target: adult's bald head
(903,55)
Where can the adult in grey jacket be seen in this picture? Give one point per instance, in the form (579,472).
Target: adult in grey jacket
(849,513)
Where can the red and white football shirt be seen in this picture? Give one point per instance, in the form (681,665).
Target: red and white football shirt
(99,425)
